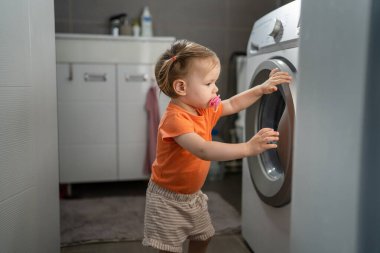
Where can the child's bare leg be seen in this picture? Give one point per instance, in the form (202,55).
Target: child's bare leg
(198,246)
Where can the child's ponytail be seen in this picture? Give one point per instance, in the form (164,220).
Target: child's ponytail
(173,63)
(162,71)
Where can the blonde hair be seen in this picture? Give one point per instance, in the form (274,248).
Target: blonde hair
(174,63)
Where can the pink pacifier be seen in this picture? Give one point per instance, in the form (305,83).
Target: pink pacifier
(214,102)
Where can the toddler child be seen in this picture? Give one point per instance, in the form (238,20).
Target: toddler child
(176,208)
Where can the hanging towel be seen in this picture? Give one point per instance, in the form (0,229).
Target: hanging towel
(153,113)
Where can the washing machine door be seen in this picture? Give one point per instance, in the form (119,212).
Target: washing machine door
(271,171)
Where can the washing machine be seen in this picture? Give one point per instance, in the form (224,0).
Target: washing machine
(266,194)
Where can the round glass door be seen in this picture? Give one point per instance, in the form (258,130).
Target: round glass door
(271,170)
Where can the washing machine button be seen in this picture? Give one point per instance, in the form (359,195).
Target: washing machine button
(277,28)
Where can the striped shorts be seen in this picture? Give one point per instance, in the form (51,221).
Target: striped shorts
(171,218)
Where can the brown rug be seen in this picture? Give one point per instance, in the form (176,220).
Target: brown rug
(121,219)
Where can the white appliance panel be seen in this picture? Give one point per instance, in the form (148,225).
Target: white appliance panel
(267,228)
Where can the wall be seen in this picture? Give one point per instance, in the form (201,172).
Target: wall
(29,208)
(335,201)
(222,25)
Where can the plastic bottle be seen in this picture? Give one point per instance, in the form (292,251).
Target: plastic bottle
(146,23)
(136,28)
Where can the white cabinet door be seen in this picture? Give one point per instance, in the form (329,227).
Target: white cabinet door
(134,82)
(87,122)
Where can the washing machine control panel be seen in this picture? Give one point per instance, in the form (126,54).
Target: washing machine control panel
(277,30)
(278,26)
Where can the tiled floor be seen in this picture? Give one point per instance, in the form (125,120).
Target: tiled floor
(229,188)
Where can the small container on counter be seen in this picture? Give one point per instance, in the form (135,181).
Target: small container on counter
(136,30)
(116,22)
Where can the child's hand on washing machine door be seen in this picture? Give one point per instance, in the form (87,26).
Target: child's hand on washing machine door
(276,77)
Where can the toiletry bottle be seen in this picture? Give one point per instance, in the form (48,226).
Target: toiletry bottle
(146,23)
(136,31)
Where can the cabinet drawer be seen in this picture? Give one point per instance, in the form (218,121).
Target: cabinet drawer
(86,82)
(133,82)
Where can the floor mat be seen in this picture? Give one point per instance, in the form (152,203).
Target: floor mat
(113,219)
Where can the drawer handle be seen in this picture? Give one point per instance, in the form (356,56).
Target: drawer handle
(71,75)
(137,78)
(89,77)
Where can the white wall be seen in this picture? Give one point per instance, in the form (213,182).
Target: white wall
(29,207)
(332,172)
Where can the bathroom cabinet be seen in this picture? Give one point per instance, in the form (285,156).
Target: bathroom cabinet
(102,83)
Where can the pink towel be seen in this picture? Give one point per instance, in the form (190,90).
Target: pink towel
(151,106)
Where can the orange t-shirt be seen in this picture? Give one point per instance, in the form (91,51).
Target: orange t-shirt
(175,168)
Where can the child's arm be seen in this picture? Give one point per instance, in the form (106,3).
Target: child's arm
(246,98)
(219,151)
